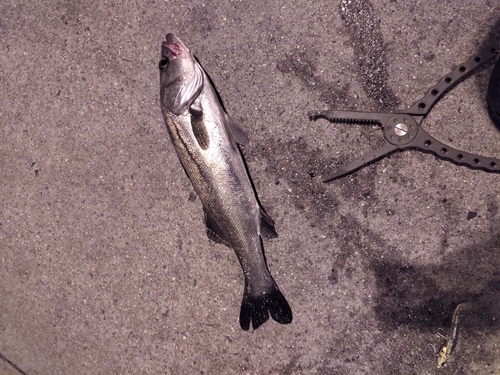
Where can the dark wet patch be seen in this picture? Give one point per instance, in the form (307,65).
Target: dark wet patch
(407,297)
(318,202)
(353,237)
(359,185)
(307,167)
(300,172)
(364,29)
(424,297)
(303,173)
(299,65)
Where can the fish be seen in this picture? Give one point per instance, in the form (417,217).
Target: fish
(207,141)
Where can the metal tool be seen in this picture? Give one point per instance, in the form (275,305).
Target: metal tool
(402,130)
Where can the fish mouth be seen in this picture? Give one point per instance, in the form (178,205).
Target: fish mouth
(171,47)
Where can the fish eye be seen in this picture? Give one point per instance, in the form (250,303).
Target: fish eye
(163,64)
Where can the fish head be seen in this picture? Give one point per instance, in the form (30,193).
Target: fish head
(181,77)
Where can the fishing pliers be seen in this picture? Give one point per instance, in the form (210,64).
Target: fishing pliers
(402,129)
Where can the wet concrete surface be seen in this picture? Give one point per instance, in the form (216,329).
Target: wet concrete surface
(105,267)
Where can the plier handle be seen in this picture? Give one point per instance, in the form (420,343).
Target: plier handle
(402,130)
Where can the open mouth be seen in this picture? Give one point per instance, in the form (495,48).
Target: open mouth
(170,49)
(171,46)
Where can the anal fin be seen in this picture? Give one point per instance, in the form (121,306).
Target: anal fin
(267,226)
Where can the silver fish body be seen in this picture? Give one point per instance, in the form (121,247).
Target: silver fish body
(206,141)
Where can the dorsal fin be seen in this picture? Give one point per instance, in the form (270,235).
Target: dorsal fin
(235,130)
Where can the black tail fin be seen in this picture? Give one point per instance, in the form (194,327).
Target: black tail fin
(257,309)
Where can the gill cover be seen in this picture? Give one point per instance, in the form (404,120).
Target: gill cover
(181,77)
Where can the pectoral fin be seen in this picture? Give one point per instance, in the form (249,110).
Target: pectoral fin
(198,125)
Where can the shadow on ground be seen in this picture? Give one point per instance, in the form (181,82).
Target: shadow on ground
(424,298)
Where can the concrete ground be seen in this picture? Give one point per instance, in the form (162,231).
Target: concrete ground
(105,267)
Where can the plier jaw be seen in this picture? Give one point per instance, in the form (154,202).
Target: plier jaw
(402,130)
